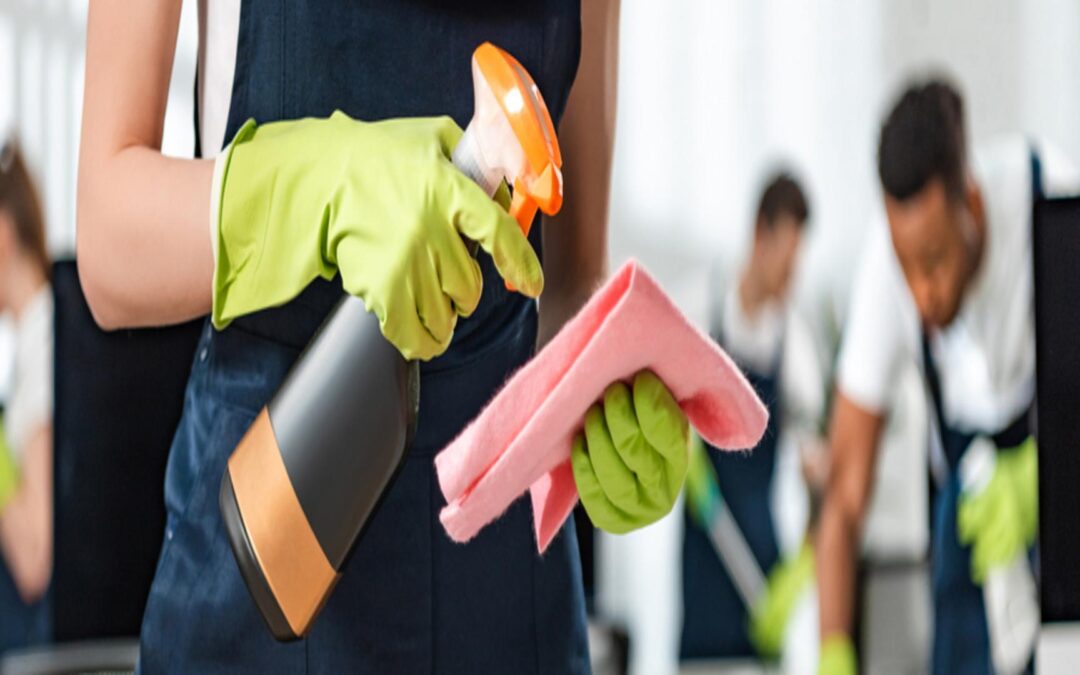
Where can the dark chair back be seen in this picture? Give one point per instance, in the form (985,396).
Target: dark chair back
(1057,378)
(118,400)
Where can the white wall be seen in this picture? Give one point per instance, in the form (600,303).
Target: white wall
(42,44)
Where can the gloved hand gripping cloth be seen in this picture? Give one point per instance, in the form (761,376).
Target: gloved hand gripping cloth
(522,439)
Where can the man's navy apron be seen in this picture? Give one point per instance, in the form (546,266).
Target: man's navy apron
(715,620)
(410,600)
(961,637)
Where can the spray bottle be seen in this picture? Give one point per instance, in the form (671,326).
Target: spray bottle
(311,470)
(1009,593)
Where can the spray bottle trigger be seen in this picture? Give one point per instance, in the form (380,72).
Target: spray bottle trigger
(547,189)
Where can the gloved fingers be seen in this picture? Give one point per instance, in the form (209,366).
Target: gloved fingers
(602,512)
(665,426)
(502,195)
(401,325)
(480,219)
(615,478)
(443,131)
(448,132)
(459,273)
(633,448)
(433,307)
(662,421)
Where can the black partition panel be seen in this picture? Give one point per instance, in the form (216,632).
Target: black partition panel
(118,400)
(1057,338)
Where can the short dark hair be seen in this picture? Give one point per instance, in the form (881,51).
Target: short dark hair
(923,138)
(782,196)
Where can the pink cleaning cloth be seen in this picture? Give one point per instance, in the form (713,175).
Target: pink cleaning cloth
(522,439)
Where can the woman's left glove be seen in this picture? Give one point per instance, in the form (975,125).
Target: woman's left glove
(630,461)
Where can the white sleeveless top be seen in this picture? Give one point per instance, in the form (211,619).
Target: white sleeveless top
(219,29)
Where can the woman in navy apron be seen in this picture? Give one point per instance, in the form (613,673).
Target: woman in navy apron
(409,600)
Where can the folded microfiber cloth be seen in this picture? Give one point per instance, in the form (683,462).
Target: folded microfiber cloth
(521,440)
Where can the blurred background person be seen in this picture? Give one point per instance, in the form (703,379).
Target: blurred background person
(763,333)
(26,471)
(946,283)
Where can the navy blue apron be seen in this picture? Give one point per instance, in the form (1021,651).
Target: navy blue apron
(715,620)
(21,625)
(410,600)
(961,638)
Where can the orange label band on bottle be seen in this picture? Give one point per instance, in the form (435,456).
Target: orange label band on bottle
(287,551)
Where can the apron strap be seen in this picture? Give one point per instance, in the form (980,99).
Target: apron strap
(1037,192)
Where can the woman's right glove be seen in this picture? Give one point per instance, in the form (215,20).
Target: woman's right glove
(380,203)
(629,461)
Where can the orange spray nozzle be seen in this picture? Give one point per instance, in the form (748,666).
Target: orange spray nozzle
(512,135)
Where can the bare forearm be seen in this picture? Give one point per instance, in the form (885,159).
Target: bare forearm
(576,240)
(144,246)
(26,522)
(854,433)
(836,564)
(559,306)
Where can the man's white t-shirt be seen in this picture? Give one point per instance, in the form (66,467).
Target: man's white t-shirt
(31,403)
(986,356)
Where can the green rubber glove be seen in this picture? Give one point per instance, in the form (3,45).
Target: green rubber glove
(837,656)
(630,462)
(1001,521)
(1022,467)
(787,581)
(9,471)
(381,204)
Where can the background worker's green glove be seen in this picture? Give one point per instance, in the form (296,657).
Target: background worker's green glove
(630,462)
(837,656)
(787,581)
(9,471)
(1001,521)
(1022,467)
(381,203)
